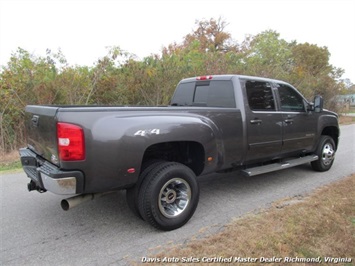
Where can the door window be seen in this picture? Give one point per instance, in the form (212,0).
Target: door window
(260,96)
(290,100)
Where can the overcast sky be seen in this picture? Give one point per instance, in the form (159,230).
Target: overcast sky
(83,29)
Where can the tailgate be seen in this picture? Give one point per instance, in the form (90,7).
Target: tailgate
(42,132)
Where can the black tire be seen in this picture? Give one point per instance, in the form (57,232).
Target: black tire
(168,196)
(132,193)
(326,153)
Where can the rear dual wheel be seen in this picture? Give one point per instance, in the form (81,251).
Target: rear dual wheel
(133,192)
(168,195)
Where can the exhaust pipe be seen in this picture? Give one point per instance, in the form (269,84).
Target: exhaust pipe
(72,202)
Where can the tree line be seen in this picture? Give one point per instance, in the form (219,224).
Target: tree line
(119,78)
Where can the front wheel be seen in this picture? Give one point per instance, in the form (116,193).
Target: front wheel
(168,196)
(326,154)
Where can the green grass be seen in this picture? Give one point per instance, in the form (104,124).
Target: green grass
(10,166)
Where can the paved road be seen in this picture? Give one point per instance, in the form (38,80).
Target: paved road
(35,231)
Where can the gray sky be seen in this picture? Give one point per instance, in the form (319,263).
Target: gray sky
(83,29)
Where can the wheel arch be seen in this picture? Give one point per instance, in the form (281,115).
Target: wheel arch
(189,153)
(332,132)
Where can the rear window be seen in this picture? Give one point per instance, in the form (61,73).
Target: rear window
(217,93)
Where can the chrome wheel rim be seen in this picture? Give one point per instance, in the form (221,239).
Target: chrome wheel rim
(174,197)
(328,154)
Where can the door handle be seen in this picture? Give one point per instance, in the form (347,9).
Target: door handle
(288,121)
(35,120)
(256,121)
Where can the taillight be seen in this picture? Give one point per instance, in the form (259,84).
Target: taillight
(71,142)
(204,77)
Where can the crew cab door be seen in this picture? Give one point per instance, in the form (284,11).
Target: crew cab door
(264,123)
(299,125)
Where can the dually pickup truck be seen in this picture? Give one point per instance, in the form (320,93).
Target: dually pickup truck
(213,124)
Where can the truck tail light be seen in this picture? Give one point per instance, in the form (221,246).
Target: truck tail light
(71,142)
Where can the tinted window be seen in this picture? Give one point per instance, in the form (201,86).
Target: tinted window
(218,93)
(184,94)
(290,99)
(260,96)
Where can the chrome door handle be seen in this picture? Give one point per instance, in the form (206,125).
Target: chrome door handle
(256,121)
(289,121)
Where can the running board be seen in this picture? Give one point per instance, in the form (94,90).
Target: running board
(279,166)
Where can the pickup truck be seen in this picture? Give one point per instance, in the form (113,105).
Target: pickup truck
(213,124)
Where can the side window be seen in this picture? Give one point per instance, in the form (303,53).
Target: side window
(260,96)
(290,100)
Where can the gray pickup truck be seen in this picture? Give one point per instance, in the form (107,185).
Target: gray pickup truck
(213,124)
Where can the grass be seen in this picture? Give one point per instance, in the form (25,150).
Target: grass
(9,162)
(321,225)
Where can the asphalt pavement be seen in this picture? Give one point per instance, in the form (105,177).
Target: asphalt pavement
(36,231)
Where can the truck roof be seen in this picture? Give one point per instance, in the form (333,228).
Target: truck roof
(229,77)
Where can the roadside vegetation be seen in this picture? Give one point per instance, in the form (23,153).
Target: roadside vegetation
(346,120)
(9,162)
(319,225)
(120,78)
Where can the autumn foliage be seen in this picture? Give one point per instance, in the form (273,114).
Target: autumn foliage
(119,78)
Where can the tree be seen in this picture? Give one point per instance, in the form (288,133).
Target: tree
(266,55)
(312,73)
(310,59)
(25,80)
(118,78)
(211,35)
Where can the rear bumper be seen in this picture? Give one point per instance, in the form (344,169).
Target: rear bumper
(48,177)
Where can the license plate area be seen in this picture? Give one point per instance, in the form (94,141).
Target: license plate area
(27,161)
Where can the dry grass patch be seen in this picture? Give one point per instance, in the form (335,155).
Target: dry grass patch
(320,225)
(346,120)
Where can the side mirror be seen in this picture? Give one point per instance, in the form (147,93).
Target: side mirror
(318,104)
